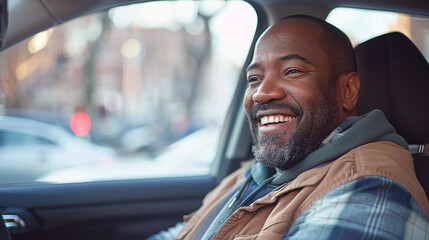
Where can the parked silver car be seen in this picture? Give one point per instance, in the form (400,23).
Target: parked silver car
(30,148)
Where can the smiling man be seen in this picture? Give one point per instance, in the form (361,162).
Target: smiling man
(292,101)
(320,171)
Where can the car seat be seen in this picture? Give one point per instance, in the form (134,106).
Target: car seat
(395,79)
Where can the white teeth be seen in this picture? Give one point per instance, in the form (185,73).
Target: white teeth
(276,119)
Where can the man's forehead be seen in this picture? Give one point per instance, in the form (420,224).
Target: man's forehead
(289,37)
(283,39)
(290,29)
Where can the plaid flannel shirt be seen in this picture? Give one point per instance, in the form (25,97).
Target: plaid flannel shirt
(367,208)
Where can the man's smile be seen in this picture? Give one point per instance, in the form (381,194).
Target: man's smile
(275,119)
(271,121)
(278,127)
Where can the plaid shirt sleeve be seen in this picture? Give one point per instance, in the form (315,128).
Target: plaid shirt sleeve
(367,208)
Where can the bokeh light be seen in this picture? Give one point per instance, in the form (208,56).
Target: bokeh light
(131,48)
(39,41)
(80,124)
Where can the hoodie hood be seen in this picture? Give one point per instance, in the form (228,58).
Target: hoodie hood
(373,127)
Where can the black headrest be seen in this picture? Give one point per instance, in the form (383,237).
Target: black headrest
(395,79)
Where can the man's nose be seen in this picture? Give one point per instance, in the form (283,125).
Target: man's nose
(269,90)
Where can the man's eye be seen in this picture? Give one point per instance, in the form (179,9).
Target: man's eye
(253,79)
(292,71)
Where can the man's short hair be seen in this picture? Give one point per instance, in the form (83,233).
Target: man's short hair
(335,44)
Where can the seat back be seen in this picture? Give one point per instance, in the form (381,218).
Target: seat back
(395,79)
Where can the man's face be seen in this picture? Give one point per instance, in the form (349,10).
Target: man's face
(290,102)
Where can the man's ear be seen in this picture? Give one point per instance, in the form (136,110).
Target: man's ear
(349,83)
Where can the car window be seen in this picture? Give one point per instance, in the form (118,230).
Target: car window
(139,91)
(361,25)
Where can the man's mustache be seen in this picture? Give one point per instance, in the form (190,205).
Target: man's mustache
(259,106)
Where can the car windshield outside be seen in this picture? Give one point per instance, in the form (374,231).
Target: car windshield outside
(139,91)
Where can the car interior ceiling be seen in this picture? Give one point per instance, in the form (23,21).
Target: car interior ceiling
(47,13)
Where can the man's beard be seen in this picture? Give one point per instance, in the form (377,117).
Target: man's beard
(310,131)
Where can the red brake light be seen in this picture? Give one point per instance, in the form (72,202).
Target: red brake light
(80,124)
